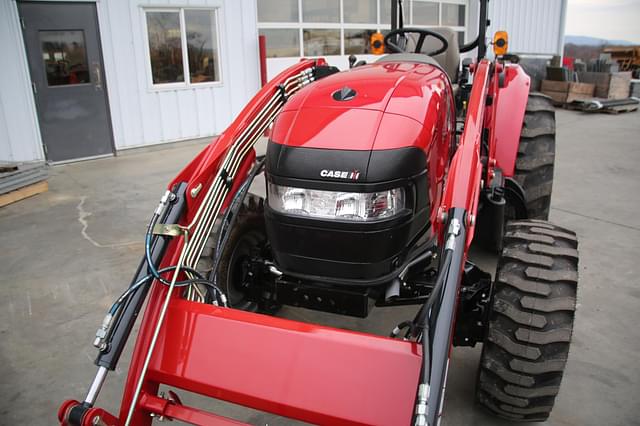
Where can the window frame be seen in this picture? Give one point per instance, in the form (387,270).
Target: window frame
(378,25)
(186,84)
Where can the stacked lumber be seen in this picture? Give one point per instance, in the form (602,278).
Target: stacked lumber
(635,88)
(608,85)
(19,181)
(563,92)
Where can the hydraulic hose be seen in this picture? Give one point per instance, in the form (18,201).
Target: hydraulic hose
(199,280)
(231,215)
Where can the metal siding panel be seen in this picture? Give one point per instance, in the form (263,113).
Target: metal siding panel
(19,129)
(250,44)
(6,151)
(122,87)
(539,38)
(235,72)
(222,106)
(557,25)
(205,111)
(187,107)
(533,26)
(170,117)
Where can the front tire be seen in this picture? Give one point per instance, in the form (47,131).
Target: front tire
(247,238)
(536,156)
(531,321)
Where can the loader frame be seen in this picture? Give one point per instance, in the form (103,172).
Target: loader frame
(240,357)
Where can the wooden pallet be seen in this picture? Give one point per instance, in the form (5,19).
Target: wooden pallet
(619,109)
(24,192)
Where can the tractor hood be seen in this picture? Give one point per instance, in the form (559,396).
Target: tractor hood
(373,123)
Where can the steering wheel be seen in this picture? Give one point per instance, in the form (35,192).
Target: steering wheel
(423,34)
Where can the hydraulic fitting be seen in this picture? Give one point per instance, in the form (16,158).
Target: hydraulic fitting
(168,196)
(102,332)
(421,405)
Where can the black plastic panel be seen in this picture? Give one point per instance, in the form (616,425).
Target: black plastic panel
(345,249)
(373,166)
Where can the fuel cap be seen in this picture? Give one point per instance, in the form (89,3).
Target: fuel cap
(344,94)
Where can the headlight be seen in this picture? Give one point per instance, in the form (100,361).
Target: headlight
(336,205)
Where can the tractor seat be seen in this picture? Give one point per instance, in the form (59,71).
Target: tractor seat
(449,60)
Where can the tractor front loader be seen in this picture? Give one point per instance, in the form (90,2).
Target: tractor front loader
(378,180)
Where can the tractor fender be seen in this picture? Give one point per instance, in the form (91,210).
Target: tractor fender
(514,193)
(510,105)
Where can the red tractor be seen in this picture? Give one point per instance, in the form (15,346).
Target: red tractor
(378,180)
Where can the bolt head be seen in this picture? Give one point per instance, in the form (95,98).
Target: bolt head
(442,215)
(196,190)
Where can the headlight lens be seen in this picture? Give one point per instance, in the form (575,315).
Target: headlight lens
(336,205)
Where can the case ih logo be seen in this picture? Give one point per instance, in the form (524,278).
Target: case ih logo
(340,174)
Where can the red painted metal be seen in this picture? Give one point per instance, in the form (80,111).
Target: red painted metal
(202,170)
(65,408)
(93,416)
(206,350)
(240,357)
(509,107)
(410,104)
(262,45)
(314,119)
(463,181)
(304,371)
(170,410)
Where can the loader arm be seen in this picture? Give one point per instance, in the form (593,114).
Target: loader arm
(456,228)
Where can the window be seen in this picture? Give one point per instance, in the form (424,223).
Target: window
(65,58)
(321,42)
(425,13)
(357,42)
(202,45)
(385,12)
(360,11)
(282,42)
(165,47)
(183,46)
(344,27)
(278,10)
(453,15)
(320,10)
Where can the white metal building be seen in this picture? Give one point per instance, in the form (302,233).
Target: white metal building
(82,79)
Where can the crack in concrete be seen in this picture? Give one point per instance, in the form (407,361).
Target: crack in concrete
(596,218)
(82,218)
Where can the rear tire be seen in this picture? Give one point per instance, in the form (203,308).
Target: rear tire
(536,155)
(530,322)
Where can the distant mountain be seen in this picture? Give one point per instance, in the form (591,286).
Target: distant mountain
(593,41)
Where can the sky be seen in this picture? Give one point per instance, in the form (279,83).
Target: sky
(608,19)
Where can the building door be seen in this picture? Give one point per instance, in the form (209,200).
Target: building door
(65,61)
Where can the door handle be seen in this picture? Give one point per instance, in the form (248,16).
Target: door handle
(97,76)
